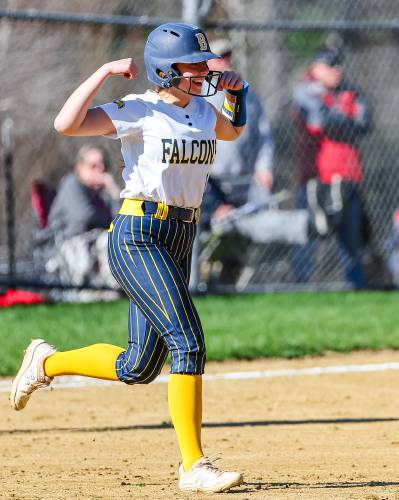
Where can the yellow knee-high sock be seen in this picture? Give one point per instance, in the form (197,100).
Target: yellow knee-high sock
(185,406)
(198,406)
(96,360)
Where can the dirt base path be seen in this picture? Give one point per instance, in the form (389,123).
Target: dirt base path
(328,436)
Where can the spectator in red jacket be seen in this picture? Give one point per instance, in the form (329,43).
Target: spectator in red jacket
(331,117)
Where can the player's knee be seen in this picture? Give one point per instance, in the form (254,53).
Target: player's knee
(138,376)
(132,371)
(189,361)
(148,376)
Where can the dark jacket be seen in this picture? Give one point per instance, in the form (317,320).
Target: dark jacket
(77,209)
(329,125)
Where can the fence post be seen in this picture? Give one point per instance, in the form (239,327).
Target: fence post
(8,158)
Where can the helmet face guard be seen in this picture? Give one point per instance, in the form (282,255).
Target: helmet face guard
(173,43)
(209,86)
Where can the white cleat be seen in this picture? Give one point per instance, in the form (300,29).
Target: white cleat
(31,375)
(205,476)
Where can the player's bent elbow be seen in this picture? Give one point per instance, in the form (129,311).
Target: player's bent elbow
(63,129)
(230,134)
(60,127)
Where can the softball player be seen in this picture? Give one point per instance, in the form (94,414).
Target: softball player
(168,141)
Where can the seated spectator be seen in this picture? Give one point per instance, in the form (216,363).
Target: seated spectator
(243,169)
(75,239)
(242,172)
(87,198)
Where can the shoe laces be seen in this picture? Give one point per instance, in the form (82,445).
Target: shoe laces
(35,383)
(35,386)
(209,464)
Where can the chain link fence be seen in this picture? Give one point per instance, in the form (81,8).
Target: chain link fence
(256,247)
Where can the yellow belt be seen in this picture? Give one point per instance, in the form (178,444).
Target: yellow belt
(163,211)
(132,207)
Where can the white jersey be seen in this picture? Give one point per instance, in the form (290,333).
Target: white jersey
(168,150)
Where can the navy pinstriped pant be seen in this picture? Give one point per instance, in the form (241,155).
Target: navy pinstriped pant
(151,258)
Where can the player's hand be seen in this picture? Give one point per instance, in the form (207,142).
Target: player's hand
(110,186)
(123,67)
(230,81)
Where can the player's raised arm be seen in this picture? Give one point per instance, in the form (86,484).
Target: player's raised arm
(75,117)
(231,119)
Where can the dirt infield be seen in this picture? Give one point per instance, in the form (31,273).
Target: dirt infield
(330,436)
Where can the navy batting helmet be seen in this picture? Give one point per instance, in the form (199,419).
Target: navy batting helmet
(173,43)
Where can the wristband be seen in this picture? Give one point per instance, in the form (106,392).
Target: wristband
(234,105)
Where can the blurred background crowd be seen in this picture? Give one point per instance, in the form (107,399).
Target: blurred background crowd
(306,198)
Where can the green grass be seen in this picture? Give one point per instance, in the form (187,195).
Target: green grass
(250,326)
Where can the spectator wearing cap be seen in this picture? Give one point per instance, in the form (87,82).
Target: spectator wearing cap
(331,117)
(242,170)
